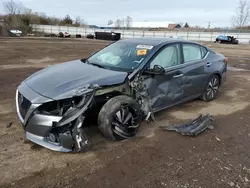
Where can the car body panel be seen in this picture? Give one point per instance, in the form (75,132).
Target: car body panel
(58,81)
(177,85)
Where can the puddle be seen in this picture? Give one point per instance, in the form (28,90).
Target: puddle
(18,66)
(235,69)
(215,107)
(238,58)
(38,61)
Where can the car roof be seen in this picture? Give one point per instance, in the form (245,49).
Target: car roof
(155,41)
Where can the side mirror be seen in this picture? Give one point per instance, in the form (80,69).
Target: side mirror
(158,69)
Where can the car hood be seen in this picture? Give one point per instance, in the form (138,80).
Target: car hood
(57,81)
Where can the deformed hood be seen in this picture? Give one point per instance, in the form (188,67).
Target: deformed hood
(56,80)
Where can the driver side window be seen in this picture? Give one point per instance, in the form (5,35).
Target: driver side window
(168,57)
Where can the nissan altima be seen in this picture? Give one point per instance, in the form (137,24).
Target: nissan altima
(121,85)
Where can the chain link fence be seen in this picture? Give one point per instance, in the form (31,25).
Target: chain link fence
(205,36)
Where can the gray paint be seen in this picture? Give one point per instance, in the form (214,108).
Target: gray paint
(43,124)
(165,90)
(59,81)
(42,142)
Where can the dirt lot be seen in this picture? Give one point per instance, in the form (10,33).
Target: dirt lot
(217,158)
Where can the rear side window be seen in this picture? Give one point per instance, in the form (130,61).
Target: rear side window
(191,52)
(203,51)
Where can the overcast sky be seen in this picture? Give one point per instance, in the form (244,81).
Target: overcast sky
(195,12)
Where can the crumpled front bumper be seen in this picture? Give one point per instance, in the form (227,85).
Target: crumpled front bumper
(42,142)
(37,126)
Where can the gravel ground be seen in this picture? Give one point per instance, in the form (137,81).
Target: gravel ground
(155,158)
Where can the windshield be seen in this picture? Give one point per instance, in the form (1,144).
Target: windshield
(121,56)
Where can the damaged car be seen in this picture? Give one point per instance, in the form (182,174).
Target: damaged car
(120,86)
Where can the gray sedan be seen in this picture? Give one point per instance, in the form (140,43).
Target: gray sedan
(118,86)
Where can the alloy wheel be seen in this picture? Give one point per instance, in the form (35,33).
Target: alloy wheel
(213,87)
(125,122)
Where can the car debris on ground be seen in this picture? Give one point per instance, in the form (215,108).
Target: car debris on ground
(9,124)
(194,127)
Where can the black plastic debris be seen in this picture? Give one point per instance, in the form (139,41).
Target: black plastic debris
(9,125)
(194,127)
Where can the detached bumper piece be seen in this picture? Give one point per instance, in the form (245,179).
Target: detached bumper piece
(73,141)
(193,128)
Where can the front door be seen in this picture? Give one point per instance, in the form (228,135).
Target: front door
(166,89)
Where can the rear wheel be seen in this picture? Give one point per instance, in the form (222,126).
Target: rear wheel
(211,89)
(120,118)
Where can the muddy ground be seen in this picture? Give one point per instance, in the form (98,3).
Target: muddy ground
(218,158)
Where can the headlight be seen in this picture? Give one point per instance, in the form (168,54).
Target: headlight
(61,107)
(85,89)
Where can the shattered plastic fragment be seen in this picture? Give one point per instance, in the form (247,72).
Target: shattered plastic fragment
(193,128)
(9,124)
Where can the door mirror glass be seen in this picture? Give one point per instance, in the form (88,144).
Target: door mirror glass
(157,69)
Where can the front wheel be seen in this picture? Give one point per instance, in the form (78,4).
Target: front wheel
(120,118)
(211,89)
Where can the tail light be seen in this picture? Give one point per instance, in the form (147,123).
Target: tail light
(226,60)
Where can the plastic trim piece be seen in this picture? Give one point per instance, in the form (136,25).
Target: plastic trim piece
(41,141)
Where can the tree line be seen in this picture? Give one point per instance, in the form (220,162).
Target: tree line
(20,17)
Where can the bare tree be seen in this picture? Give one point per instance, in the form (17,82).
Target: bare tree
(128,21)
(242,14)
(186,25)
(122,22)
(77,21)
(11,7)
(118,23)
(110,22)
(181,24)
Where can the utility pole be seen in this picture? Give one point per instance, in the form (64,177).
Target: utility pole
(209,24)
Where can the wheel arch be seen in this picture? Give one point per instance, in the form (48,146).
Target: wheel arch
(219,76)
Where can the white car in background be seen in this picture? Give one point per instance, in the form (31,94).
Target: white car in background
(16,32)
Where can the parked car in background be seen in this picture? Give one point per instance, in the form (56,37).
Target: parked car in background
(16,32)
(119,85)
(64,35)
(227,39)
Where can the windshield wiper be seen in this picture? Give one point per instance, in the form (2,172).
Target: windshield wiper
(94,64)
(97,65)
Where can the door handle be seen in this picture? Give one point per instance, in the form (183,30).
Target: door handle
(178,76)
(209,64)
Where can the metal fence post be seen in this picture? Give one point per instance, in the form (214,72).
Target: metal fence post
(187,35)
(211,37)
(199,37)
(133,34)
(165,34)
(154,33)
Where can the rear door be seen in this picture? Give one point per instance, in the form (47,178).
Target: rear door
(194,63)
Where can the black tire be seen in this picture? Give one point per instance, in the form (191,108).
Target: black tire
(212,89)
(113,118)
